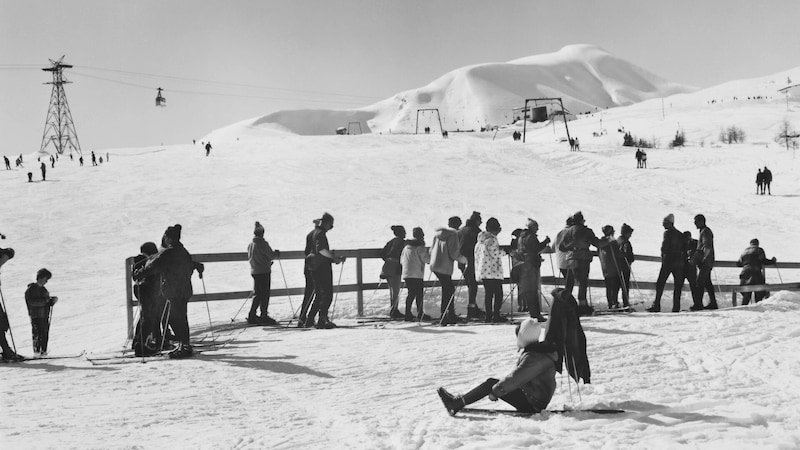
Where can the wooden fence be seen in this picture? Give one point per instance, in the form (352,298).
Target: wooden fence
(360,285)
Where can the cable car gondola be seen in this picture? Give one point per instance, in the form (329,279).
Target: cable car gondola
(160,101)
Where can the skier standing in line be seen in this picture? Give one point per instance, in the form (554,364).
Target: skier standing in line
(413,260)
(626,251)
(704,258)
(8,353)
(690,270)
(561,256)
(467,238)
(488,260)
(576,242)
(39,304)
(320,259)
(445,251)
(530,273)
(260,255)
(752,261)
(673,251)
(610,262)
(308,294)
(392,269)
(175,265)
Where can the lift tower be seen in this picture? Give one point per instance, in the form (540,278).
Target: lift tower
(59,127)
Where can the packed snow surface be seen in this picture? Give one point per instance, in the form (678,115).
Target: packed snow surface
(722,379)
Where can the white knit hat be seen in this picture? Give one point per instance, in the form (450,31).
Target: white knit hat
(530,331)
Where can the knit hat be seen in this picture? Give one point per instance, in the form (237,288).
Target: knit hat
(417,233)
(492,224)
(454,222)
(148,248)
(577,217)
(670,218)
(173,232)
(530,223)
(398,230)
(570,221)
(516,232)
(754,241)
(530,331)
(608,230)
(626,229)
(259,229)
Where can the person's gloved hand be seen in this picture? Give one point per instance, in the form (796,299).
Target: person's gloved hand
(492,397)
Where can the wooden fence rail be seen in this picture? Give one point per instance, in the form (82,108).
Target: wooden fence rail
(374,253)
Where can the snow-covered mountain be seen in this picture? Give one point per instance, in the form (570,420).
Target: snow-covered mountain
(586,77)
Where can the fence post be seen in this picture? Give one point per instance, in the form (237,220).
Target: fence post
(360,283)
(129,295)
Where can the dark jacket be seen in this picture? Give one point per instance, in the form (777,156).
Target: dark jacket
(537,384)
(576,242)
(316,241)
(611,260)
(175,265)
(673,247)
(566,333)
(468,238)
(530,247)
(391,256)
(626,251)
(752,261)
(704,256)
(38,300)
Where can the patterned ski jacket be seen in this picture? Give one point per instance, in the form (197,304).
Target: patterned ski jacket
(488,257)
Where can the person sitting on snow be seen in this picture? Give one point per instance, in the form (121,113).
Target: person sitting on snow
(530,386)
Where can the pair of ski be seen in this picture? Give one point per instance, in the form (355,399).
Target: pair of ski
(467,412)
(45,357)
(621,310)
(375,321)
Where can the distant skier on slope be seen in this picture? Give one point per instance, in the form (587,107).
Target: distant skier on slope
(208,148)
(530,386)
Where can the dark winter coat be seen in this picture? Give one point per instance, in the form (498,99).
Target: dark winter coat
(391,257)
(626,250)
(175,265)
(468,238)
(530,247)
(767,176)
(704,256)
(537,385)
(316,241)
(752,261)
(260,255)
(611,260)
(673,248)
(576,242)
(38,300)
(566,333)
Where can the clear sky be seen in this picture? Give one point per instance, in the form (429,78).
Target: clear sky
(225,61)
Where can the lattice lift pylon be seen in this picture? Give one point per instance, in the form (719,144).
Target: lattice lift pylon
(59,127)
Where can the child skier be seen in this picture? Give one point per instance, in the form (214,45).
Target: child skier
(39,307)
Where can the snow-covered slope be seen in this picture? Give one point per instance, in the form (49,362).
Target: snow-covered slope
(586,77)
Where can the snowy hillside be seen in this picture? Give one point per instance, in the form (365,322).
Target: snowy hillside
(720,380)
(586,77)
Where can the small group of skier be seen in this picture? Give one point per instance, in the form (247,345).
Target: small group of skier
(641,159)
(763,181)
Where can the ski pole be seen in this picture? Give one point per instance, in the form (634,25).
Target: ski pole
(553,269)
(776,268)
(210,326)
(10,333)
(286,285)
(249,296)
(455,294)
(338,283)
(165,322)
